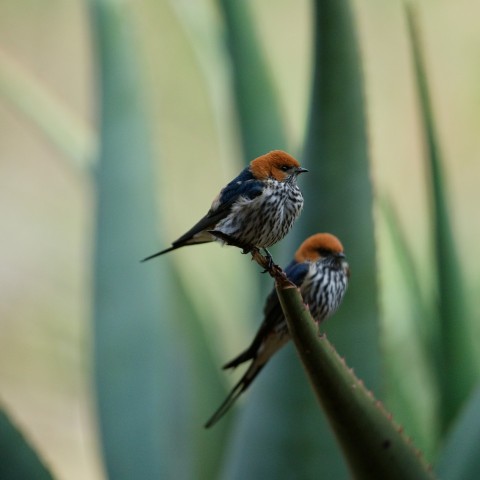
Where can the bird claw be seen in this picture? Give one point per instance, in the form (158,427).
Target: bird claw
(270,262)
(266,261)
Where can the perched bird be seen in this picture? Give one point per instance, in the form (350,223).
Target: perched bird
(255,210)
(321,272)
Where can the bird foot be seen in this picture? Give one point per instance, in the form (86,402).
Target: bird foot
(265,261)
(269,259)
(269,266)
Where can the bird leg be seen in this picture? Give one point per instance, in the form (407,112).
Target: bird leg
(266,262)
(269,259)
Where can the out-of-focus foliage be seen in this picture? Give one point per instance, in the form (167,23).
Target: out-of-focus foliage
(141,364)
(338,175)
(18,460)
(178,114)
(459,459)
(133,339)
(455,365)
(259,114)
(373,445)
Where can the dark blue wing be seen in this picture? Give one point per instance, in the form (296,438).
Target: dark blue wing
(244,185)
(296,272)
(272,314)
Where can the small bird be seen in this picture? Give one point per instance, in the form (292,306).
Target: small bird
(255,210)
(321,272)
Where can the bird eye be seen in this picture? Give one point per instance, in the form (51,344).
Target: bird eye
(284,168)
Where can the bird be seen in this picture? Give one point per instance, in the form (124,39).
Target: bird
(255,210)
(321,272)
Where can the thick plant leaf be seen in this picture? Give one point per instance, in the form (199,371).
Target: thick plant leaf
(272,419)
(338,192)
(459,459)
(409,340)
(40,106)
(139,366)
(456,369)
(261,124)
(282,431)
(338,196)
(409,270)
(374,446)
(18,460)
(205,388)
(262,130)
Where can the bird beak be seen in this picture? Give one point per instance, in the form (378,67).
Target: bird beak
(340,255)
(300,170)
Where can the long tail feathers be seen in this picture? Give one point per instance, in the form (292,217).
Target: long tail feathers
(245,356)
(237,390)
(173,247)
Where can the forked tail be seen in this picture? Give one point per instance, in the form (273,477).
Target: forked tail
(237,390)
(173,247)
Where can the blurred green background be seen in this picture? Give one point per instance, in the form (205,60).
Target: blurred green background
(48,150)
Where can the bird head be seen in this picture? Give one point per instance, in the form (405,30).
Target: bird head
(276,164)
(322,246)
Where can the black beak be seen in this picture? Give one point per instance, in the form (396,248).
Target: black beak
(340,255)
(300,170)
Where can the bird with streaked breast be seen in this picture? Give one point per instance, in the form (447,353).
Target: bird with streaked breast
(255,210)
(321,272)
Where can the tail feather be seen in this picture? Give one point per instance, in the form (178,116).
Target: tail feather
(173,247)
(245,356)
(237,390)
(252,352)
(225,406)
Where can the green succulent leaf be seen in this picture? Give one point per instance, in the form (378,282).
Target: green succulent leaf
(338,199)
(373,445)
(259,114)
(457,371)
(459,459)
(140,367)
(18,460)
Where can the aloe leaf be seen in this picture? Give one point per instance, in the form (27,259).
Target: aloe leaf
(272,405)
(412,279)
(373,445)
(139,367)
(205,389)
(408,338)
(338,192)
(456,370)
(18,460)
(66,131)
(259,114)
(459,459)
(338,198)
(281,431)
